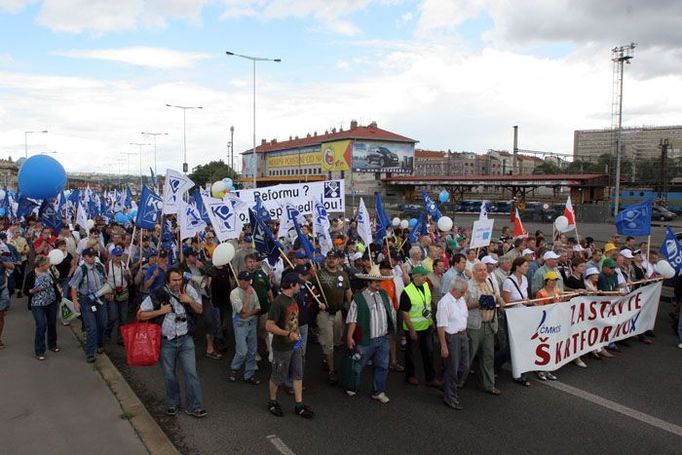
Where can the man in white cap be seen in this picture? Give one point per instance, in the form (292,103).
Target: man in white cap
(370,322)
(551,261)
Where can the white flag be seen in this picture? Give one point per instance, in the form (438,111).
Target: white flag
(484,211)
(174,187)
(189,220)
(364,227)
(82,217)
(224,218)
(321,227)
(289,213)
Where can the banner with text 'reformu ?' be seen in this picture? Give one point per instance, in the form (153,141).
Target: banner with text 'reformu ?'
(544,338)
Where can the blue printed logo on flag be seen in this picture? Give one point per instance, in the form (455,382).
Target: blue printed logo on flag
(224,214)
(332,190)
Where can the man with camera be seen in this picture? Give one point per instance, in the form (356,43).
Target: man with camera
(118,277)
(86,281)
(173,307)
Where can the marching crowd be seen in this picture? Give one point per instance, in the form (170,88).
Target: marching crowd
(437,301)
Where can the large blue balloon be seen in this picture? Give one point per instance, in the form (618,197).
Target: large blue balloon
(412,223)
(120,218)
(444,196)
(41,177)
(132,215)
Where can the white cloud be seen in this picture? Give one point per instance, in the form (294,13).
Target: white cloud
(96,16)
(152,57)
(15,6)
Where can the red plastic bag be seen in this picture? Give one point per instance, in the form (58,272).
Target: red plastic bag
(142,341)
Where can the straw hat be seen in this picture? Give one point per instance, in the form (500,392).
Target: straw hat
(374,275)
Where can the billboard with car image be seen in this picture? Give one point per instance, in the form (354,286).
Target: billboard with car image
(393,157)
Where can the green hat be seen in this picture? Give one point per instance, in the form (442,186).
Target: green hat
(420,270)
(608,262)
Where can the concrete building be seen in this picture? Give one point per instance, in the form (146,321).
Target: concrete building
(639,143)
(9,170)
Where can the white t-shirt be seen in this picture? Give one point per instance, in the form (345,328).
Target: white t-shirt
(452,314)
(514,295)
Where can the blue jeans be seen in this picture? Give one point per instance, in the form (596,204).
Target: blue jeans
(378,352)
(95,324)
(118,312)
(303,329)
(46,321)
(245,347)
(180,349)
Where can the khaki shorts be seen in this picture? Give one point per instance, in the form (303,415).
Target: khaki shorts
(330,331)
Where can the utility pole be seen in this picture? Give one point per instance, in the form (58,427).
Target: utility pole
(664,144)
(620,55)
(515,170)
(232,147)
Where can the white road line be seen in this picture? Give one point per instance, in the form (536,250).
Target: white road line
(619,408)
(279,445)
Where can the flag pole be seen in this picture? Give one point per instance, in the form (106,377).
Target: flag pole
(288,261)
(388,252)
(130,247)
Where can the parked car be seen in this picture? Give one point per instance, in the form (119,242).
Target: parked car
(471,206)
(383,157)
(541,212)
(500,207)
(410,210)
(661,213)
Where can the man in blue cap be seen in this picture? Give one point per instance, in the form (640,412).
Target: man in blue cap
(118,277)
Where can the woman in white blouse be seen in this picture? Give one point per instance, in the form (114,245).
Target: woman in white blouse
(514,289)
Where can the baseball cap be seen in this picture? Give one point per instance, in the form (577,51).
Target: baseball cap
(591,271)
(528,252)
(289,280)
(145,238)
(550,255)
(246,276)
(339,254)
(420,270)
(355,256)
(89,252)
(636,252)
(302,269)
(488,260)
(609,247)
(248,239)
(627,253)
(608,262)
(118,251)
(299,255)
(163,254)
(551,275)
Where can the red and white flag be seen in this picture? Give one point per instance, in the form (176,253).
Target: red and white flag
(569,213)
(519,230)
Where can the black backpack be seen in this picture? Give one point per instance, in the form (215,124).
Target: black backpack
(161,297)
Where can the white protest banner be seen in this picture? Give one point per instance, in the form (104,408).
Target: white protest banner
(174,187)
(189,220)
(543,338)
(482,233)
(331,193)
(224,219)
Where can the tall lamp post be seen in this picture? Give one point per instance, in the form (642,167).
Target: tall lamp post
(26,133)
(254,60)
(140,145)
(184,131)
(620,55)
(145,133)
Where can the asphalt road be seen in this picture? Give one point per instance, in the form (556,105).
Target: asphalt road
(630,404)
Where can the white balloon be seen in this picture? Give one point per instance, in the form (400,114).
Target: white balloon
(664,269)
(404,224)
(561,224)
(2,195)
(223,254)
(445,223)
(56,256)
(90,224)
(396,221)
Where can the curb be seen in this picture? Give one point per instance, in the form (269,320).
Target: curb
(146,428)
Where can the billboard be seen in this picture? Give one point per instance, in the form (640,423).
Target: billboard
(248,165)
(294,160)
(336,156)
(394,157)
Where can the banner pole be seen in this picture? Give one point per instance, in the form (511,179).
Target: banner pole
(130,247)
(388,252)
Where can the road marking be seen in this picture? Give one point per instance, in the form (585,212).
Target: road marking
(279,445)
(619,408)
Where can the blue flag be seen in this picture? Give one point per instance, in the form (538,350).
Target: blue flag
(261,211)
(671,250)
(154,183)
(9,210)
(263,239)
(418,229)
(383,222)
(201,207)
(26,206)
(50,216)
(635,220)
(128,203)
(431,207)
(306,245)
(149,210)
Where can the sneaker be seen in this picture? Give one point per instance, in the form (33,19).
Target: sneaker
(333,378)
(606,354)
(258,357)
(304,411)
(275,409)
(541,375)
(172,411)
(350,393)
(100,350)
(232,377)
(494,391)
(2,345)
(550,376)
(40,357)
(679,345)
(90,359)
(252,380)
(456,405)
(381,397)
(199,413)
(579,362)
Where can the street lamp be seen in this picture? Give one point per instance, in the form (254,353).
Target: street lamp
(26,133)
(184,130)
(144,133)
(254,60)
(139,144)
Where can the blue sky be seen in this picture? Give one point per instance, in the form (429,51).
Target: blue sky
(454,74)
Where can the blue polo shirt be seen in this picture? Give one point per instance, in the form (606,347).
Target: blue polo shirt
(160,280)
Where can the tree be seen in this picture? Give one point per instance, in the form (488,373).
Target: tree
(546,168)
(212,172)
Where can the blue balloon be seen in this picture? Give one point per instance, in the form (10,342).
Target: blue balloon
(120,218)
(229,184)
(132,214)
(412,223)
(2,211)
(41,177)
(444,197)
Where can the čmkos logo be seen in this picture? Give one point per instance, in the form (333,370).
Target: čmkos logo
(544,329)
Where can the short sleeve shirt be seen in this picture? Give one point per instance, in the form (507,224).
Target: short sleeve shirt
(511,284)
(334,287)
(284,312)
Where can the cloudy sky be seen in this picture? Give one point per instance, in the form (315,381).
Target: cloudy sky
(452,74)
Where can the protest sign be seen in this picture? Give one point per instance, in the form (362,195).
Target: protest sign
(482,233)
(543,338)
